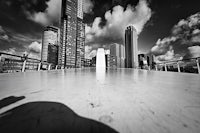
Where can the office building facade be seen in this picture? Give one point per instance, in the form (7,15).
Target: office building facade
(117,54)
(72,34)
(146,61)
(131,47)
(80,47)
(53,54)
(67,49)
(50,37)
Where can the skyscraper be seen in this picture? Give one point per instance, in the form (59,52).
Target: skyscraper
(118,52)
(80,47)
(131,48)
(53,54)
(67,49)
(50,37)
(72,34)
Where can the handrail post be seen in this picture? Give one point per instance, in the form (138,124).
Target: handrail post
(198,67)
(156,67)
(49,67)
(0,57)
(24,66)
(165,67)
(178,66)
(39,66)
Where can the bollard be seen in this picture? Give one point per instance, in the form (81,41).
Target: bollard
(178,66)
(198,67)
(24,66)
(166,67)
(39,66)
(56,67)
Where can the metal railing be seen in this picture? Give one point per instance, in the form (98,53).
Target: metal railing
(16,63)
(190,65)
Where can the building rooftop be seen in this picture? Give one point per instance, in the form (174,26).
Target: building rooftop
(126,100)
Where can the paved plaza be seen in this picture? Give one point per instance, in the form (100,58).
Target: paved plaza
(114,100)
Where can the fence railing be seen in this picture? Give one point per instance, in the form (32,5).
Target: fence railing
(15,63)
(190,65)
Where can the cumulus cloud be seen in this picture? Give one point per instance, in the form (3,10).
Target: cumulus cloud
(169,56)
(184,37)
(88,6)
(163,46)
(116,22)
(10,51)
(1,29)
(89,52)
(35,47)
(194,52)
(3,35)
(50,15)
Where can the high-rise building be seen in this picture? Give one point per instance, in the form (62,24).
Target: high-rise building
(117,51)
(80,47)
(146,60)
(53,54)
(67,49)
(131,48)
(50,37)
(72,34)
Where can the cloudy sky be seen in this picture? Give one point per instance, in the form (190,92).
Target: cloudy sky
(168,28)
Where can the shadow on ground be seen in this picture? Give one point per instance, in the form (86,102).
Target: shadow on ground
(48,117)
(10,100)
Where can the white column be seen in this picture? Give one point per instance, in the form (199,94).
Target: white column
(198,67)
(100,60)
(165,67)
(156,67)
(24,66)
(49,67)
(39,65)
(178,66)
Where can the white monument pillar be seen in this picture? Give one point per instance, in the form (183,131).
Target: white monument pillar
(101,59)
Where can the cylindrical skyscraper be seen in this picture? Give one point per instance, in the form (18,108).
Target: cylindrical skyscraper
(50,37)
(131,48)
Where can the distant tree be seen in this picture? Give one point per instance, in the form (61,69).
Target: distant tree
(24,57)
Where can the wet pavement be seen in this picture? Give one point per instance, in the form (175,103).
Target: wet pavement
(125,100)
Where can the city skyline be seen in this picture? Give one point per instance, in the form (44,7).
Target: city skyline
(157,26)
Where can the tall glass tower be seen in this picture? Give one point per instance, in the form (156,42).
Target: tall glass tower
(68,28)
(72,35)
(131,47)
(80,47)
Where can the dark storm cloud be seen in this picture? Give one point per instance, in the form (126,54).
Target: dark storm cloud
(17,32)
(13,14)
(25,5)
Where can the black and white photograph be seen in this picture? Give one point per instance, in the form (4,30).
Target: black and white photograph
(99,66)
